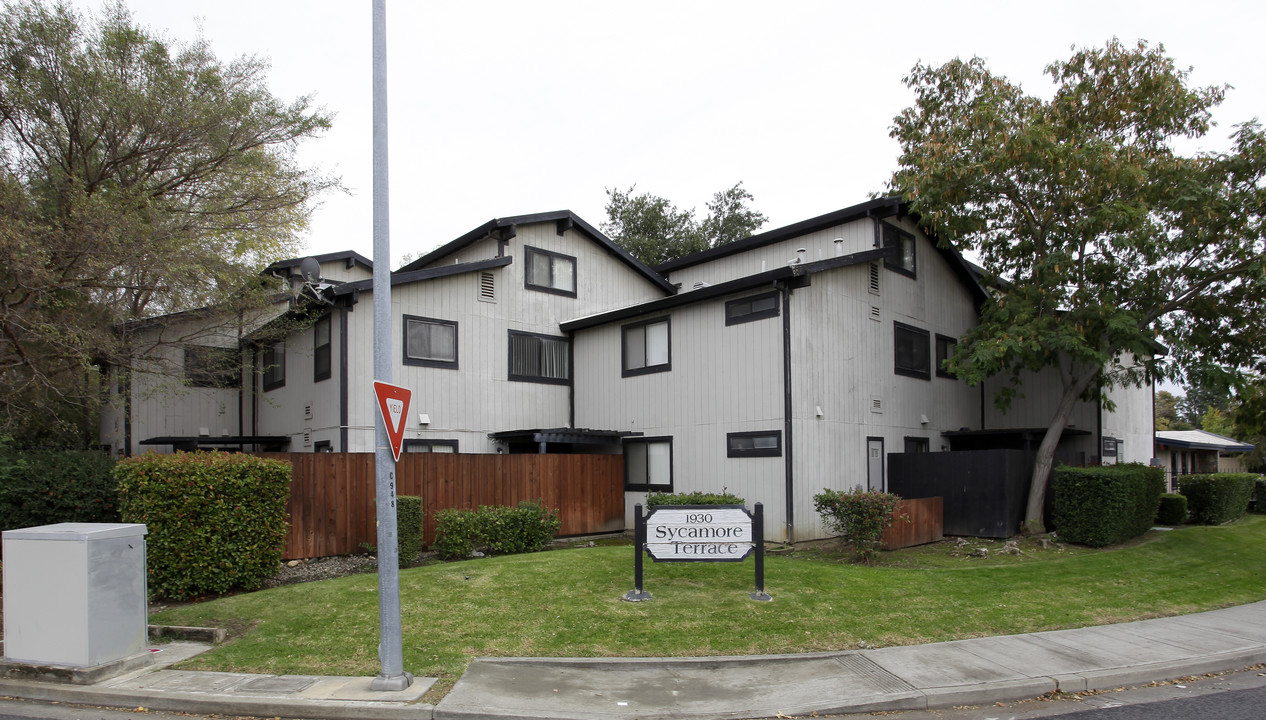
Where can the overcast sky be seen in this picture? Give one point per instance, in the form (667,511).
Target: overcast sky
(504,108)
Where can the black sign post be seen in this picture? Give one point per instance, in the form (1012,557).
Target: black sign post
(698,533)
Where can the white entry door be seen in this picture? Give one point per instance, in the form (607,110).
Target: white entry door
(876,478)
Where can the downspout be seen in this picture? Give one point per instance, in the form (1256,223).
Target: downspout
(241,387)
(571,380)
(342,379)
(788,444)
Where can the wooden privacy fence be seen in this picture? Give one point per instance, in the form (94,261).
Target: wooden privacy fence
(925,523)
(332,495)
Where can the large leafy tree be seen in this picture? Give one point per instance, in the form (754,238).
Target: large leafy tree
(1102,236)
(138,177)
(655,231)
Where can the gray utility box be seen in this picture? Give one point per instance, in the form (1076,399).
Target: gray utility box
(75,593)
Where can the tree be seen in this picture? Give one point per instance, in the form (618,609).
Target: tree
(138,177)
(1208,388)
(655,231)
(1165,413)
(1102,238)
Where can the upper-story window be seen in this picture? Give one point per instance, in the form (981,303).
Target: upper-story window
(646,346)
(429,342)
(212,367)
(912,351)
(273,364)
(539,358)
(321,346)
(550,272)
(904,262)
(944,351)
(765,443)
(754,307)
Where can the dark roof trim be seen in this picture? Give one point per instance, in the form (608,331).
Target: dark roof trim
(565,219)
(768,277)
(567,435)
(1004,432)
(193,442)
(1228,446)
(402,278)
(349,257)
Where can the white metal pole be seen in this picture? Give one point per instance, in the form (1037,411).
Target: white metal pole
(390,644)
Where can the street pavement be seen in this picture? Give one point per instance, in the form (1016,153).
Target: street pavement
(979,671)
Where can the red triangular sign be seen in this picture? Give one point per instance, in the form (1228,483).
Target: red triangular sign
(393,402)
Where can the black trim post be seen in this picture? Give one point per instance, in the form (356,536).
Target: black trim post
(637,594)
(758,541)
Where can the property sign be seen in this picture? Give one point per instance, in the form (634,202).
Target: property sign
(688,533)
(393,402)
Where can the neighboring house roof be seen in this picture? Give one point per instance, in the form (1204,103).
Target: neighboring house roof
(878,208)
(1200,440)
(505,228)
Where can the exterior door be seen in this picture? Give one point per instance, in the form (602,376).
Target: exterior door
(876,478)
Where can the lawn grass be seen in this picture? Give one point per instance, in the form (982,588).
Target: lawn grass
(567,603)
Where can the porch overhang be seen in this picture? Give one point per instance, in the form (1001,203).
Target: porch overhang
(191,443)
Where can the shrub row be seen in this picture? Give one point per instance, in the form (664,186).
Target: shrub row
(858,516)
(1218,498)
(693,498)
(44,487)
(1173,509)
(495,530)
(1259,495)
(216,521)
(409,528)
(1100,506)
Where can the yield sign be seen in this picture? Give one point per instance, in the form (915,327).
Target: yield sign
(393,401)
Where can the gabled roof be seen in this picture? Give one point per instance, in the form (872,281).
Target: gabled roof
(1200,440)
(400,277)
(506,228)
(877,208)
(350,257)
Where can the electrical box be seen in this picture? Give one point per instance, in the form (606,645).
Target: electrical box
(75,594)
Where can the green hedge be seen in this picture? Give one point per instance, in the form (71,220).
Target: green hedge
(496,530)
(216,521)
(409,528)
(693,498)
(1218,498)
(1101,506)
(44,487)
(1173,509)
(1259,495)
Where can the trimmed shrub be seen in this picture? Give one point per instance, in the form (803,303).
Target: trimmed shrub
(409,528)
(1259,495)
(693,498)
(1101,506)
(1173,509)
(43,487)
(858,516)
(1218,498)
(217,521)
(496,530)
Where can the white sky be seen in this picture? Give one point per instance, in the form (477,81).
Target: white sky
(502,108)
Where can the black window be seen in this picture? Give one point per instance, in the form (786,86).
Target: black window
(648,464)
(756,307)
(430,446)
(321,345)
(646,347)
(212,367)
(944,351)
(323,446)
(912,348)
(766,443)
(273,364)
(917,445)
(904,262)
(550,272)
(540,358)
(429,342)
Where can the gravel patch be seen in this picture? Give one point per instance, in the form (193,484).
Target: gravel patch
(327,568)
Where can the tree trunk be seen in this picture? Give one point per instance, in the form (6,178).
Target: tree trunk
(1033,520)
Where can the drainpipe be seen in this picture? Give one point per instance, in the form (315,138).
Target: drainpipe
(788,444)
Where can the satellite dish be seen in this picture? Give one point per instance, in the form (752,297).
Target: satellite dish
(310,269)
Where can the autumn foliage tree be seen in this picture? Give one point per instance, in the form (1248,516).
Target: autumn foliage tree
(138,177)
(1103,239)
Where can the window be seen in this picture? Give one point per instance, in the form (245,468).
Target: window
(767,443)
(756,307)
(648,464)
(321,349)
(550,272)
(430,446)
(273,364)
(911,351)
(540,358)
(917,445)
(904,242)
(322,446)
(944,351)
(646,347)
(212,367)
(429,342)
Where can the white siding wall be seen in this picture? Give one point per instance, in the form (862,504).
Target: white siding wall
(857,236)
(1132,423)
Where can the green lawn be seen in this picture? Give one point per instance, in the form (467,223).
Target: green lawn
(567,603)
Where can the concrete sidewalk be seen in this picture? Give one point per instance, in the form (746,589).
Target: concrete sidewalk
(965,672)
